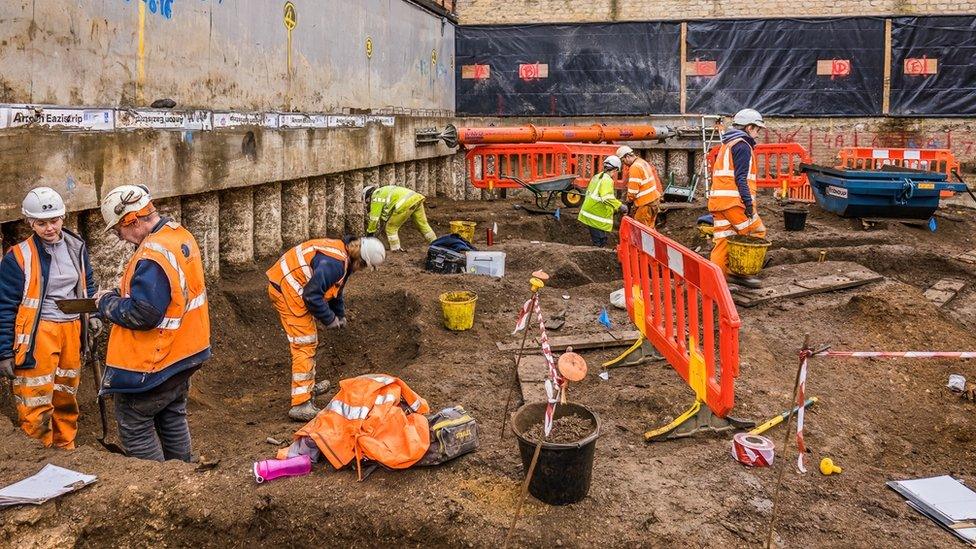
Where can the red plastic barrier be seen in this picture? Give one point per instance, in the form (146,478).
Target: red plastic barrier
(681,303)
(778,163)
(488,164)
(868,158)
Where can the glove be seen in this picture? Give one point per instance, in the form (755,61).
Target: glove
(100,294)
(335,324)
(749,210)
(342,322)
(970,391)
(95,325)
(623,209)
(7,368)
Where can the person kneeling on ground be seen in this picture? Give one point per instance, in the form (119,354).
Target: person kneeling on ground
(306,284)
(394,205)
(643,187)
(40,346)
(601,203)
(161,331)
(732,199)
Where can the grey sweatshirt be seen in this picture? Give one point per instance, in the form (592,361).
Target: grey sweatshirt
(62,282)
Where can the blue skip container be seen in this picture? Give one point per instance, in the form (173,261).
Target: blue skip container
(893,192)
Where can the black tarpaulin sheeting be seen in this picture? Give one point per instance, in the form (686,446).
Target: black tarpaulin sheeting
(594,69)
(771,66)
(951,42)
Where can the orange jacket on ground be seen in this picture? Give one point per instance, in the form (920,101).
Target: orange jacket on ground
(365,419)
(724,193)
(643,186)
(185,328)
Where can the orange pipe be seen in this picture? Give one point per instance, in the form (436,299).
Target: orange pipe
(561,134)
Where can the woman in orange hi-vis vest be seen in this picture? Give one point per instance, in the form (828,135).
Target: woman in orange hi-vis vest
(643,187)
(41,346)
(732,198)
(306,285)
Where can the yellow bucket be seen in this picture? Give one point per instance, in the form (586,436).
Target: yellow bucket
(747,254)
(465,229)
(458,310)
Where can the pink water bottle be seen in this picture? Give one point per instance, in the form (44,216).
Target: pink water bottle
(271,469)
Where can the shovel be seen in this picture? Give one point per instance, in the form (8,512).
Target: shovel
(94,364)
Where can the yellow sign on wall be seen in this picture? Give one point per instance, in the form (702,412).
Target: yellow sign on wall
(433,58)
(369,47)
(291,16)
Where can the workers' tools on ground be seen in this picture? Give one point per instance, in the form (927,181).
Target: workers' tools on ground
(753,450)
(76,306)
(95,366)
(828,468)
(536,283)
(780,418)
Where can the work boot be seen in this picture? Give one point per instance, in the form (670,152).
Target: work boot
(744,281)
(321,387)
(303,412)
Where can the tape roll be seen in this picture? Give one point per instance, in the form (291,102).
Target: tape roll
(753,450)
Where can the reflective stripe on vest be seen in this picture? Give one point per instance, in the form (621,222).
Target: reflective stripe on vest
(28,312)
(724,193)
(293,270)
(594,217)
(25,250)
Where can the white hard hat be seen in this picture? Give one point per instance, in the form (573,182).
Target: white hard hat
(122,200)
(42,203)
(624,150)
(611,163)
(368,190)
(372,251)
(748,116)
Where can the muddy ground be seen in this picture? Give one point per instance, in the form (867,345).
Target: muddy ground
(879,420)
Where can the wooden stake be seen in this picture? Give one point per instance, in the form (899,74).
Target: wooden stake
(786,442)
(683,69)
(886,86)
(518,360)
(525,490)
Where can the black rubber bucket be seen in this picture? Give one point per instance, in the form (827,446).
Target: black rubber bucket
(795,219)
(562,474)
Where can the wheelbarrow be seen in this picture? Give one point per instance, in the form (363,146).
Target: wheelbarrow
(546,190)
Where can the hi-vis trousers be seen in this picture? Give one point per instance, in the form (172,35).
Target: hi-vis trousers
(419,216)
(45,394)
(302,340)
(728,223)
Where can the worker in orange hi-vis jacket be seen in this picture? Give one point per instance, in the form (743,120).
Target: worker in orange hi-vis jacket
(732,198)
(643,187)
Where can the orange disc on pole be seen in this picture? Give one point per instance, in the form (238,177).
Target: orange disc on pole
(572,366)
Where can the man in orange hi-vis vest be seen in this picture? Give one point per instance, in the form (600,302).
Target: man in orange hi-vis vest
(161,326)
(643,187)
(306,285)
(732,199)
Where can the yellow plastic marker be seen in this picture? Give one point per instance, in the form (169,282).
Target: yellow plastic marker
(828,468)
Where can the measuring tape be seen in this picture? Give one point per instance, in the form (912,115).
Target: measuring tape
(752,450)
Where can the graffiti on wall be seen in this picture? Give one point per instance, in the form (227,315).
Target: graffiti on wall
(163,7)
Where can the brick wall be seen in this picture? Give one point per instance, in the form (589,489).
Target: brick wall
(476,12)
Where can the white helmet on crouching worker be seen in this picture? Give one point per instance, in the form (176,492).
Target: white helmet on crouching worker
(623,151)
(611,163)
(42,203)
(748,116)
(368,192)
(124,204)
(372,251)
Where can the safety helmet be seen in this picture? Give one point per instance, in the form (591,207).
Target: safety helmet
(748,116)
(42,203)
(372,251)
(368,191)
(611,163)
(624,150)
(123,200)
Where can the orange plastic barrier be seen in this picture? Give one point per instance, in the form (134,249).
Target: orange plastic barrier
(867,158)
(487,165)
(680,302)
(779,163)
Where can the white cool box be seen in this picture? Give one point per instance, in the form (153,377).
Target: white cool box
(486,263)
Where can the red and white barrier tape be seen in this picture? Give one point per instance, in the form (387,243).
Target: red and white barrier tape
(753,450)
(554,381)
(897,354)
(800,398)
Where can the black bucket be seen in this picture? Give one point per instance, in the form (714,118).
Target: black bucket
(795,219)
(562,474)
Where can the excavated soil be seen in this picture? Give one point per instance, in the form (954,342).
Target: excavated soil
(564,430)
(878,419)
